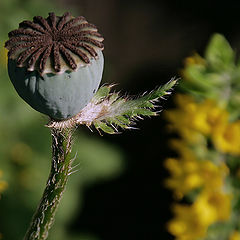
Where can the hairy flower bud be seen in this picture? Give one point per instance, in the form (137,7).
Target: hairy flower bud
(56,64)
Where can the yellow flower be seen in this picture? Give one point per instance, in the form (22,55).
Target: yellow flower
(185,225)
(184,176)
(208,116)
(213,206)
(182,148)
(226,138)
(180,118)
(3,184)
(192,221)
(235,236)
(192,119)
(213,175)
(188,173)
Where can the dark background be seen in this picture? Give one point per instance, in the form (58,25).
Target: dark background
(145,44)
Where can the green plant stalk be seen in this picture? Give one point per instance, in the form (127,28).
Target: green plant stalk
(60,170)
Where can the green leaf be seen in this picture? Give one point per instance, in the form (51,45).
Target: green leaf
(104,127)
(219,53)
(102,93)
(120,112)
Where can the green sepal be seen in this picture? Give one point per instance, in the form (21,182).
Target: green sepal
(104,127)
(120,112)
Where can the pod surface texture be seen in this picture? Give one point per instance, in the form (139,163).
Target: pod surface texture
(60,96)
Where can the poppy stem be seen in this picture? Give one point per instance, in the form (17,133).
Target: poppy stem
(60,170)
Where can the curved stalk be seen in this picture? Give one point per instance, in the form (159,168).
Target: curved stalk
(60,170)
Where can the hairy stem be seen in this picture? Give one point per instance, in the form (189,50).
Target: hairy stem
(60,170)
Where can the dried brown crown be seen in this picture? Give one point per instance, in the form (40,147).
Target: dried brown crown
(54,44)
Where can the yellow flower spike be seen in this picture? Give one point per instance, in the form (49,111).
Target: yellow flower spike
(185,225)
(226,138)
(191,222)
(216,114)
(207,116)
(206,212)
(182,149)
(188,173)
(181,124)
(192,120)
(208,205)
(3,184)
(200,119)
(221,201)
(173,166)
(213,175)
(235,236)
(191,136)
(193,181)
(184,175)
(183,100)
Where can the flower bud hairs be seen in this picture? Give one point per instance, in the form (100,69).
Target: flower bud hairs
(56,65)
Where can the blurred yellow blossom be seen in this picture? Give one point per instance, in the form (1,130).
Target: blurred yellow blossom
(182,148)
(184,176)
(226,138)
(213,175)
(3,184)
(235,236)
(212,206)
(187,174)
(191,119)
(185,224)
(208,126)
(178,120)
(192,221)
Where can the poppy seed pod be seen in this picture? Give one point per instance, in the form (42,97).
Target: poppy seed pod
(56,64)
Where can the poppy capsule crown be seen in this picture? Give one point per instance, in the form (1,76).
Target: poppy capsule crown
(56,64)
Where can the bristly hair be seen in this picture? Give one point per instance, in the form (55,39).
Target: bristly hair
(54,44)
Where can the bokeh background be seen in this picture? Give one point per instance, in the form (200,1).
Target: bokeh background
(118,192)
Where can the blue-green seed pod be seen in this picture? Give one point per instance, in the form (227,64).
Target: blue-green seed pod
(56,64)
